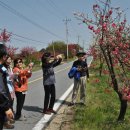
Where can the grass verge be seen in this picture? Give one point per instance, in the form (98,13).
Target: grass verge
(102,108)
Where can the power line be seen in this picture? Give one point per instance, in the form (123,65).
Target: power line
(55,7)
(52,3)
(28,38)
(24,37)
(47,10)
(27,19)
(24,42)
(19,40)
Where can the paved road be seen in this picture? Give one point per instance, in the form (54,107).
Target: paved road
(35,98)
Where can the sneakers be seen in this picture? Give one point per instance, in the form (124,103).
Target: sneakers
(46,112)
(7,125)
(51,110)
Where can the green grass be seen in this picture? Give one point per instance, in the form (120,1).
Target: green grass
(102,108)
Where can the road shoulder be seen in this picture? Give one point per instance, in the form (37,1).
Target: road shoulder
(63,119)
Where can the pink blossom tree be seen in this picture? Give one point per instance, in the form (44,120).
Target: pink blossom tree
(4,36)
(112,44)
(11,50)
(27,54)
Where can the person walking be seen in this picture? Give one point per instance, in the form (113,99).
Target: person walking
(21,85)
(81,76)
(49,81)
(5,98)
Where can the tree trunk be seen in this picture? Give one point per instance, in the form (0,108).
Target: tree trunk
(123,103)
(101,66)
(123,107)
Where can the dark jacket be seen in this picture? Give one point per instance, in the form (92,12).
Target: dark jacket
(5,97)
(48,72)
(82,65)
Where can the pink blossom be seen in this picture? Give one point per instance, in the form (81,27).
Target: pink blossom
(113,25)
(102,16)
(97,31)
(128,97)
(100,41)
(126,46)
(104,26)
(126,60)
(125,90)
(95,6)
(125,20)
(105,71)
(115,61)
(121,45)
(110,12)
(115,52)
(90,27)
(106,16)
(121,28)
(5,36)
(1,38)
(97,81)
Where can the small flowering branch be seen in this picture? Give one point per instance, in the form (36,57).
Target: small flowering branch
(5,36)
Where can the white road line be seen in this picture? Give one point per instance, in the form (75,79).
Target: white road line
(46,118)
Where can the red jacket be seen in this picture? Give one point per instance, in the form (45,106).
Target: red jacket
(21,84)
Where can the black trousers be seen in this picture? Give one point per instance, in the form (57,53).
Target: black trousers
(2,120)
(49,99)
(20,97)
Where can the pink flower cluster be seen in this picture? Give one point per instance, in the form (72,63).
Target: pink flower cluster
(4,36)
(126,93)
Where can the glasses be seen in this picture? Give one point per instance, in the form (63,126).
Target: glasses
(19,62)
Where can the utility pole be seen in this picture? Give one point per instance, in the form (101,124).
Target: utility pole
(53,49)
(78,42)
(83,45)
(66,26)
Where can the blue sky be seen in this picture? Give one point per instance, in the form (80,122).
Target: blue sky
(48,16)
